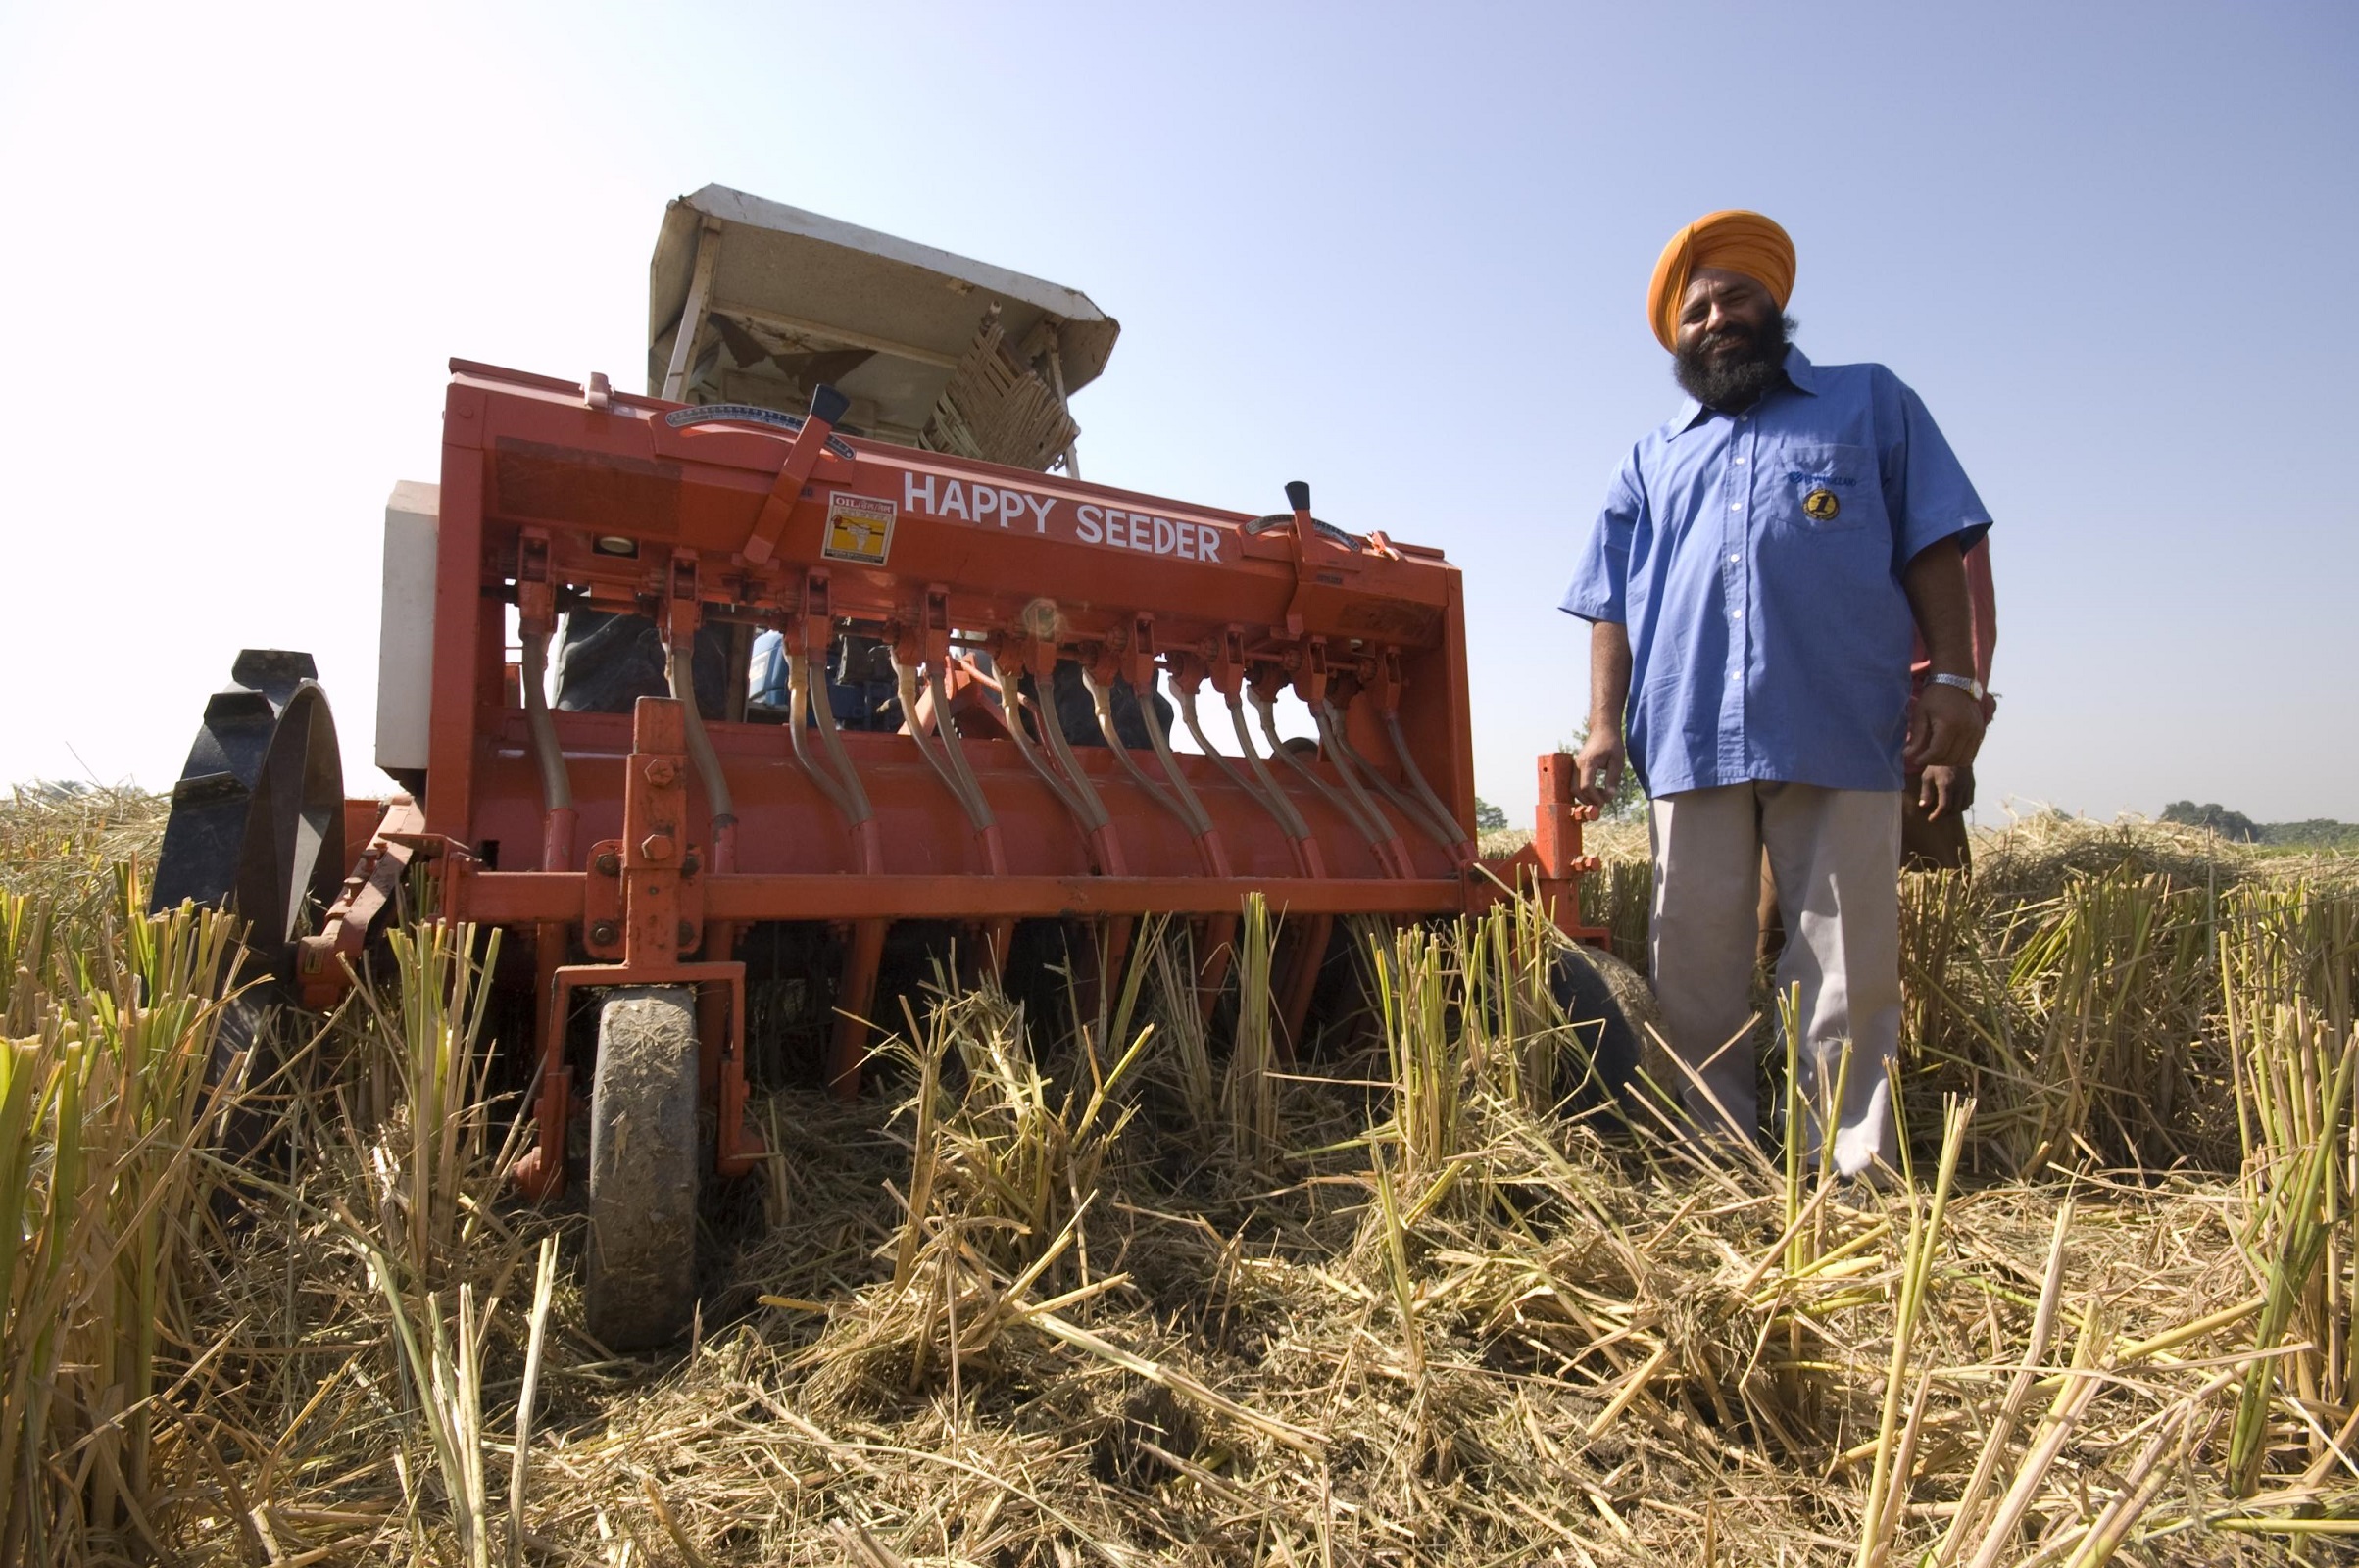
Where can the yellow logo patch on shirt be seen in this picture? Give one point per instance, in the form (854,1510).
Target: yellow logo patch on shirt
(1820,504)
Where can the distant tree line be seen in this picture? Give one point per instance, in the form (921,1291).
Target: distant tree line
(2219,818)
(2317,833)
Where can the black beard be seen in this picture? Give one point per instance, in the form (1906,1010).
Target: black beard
(1732,382)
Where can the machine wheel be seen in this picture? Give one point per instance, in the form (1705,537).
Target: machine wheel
(1611,1007)
(640,1288)
(256,820)
(257,827)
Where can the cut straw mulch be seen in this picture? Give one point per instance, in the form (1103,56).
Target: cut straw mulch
(1065,1295)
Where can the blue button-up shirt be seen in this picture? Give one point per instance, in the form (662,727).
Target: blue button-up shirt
(1756,559)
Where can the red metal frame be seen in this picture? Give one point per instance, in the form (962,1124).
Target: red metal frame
(546,493)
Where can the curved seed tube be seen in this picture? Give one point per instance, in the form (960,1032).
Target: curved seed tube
(1461,844)
(1096,816)
(833,741)
(556,785)
(1198,819)
(700,744)
(1187,708)
(1012,698)
(1336,798)
(852,808)
(1431,822)
(1102,700)
(978,816)
(1280,806)
(946,728)
(1341,755)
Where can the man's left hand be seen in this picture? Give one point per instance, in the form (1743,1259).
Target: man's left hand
(1944,731)
(1943,790)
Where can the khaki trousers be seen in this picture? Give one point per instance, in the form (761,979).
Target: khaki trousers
(1926,845)
(1835,855)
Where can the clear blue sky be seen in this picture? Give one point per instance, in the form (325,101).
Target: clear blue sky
(1399,252)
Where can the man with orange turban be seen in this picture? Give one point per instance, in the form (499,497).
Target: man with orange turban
(1762,567)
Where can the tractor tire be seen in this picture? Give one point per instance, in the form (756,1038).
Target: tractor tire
(257,822)
(640,1282)
(257,828)
(1614,1012)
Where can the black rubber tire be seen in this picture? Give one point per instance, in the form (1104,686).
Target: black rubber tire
(1611,1006)
(256,820)
(257,827)
(639,1286)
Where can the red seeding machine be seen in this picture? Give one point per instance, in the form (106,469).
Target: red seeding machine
(825,641)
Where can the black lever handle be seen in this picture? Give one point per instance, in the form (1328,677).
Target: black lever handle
(828,406)
(1297,494)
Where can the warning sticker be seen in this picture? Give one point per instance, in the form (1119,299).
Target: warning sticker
(858,529)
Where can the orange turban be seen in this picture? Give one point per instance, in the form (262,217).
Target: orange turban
(1734,239)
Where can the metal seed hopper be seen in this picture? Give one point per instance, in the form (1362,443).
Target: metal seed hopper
(1003,702)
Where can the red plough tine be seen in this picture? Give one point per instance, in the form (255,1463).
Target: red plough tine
(1216,936)
(1217,952)
(1111,945)
(925,709)
(1299,978)
(953,696)
(542,1171)
(721,1056)
(854,1001)
(807,635)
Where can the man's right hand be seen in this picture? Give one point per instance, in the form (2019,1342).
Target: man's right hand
(1597,772)
(1599,768)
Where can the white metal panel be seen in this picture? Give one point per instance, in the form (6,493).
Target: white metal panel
(856,286)
(405,639)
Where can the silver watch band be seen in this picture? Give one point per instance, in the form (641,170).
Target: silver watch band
(1964,683)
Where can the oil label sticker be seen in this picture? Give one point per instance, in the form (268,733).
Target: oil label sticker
(858,529)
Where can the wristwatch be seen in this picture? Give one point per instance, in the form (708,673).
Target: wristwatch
(1964,683)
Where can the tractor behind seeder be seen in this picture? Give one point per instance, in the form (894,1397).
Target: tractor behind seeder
(862,668)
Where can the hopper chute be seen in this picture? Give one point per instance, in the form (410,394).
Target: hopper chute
(753,301)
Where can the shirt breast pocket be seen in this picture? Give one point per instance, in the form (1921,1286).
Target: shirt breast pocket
(1824,488)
